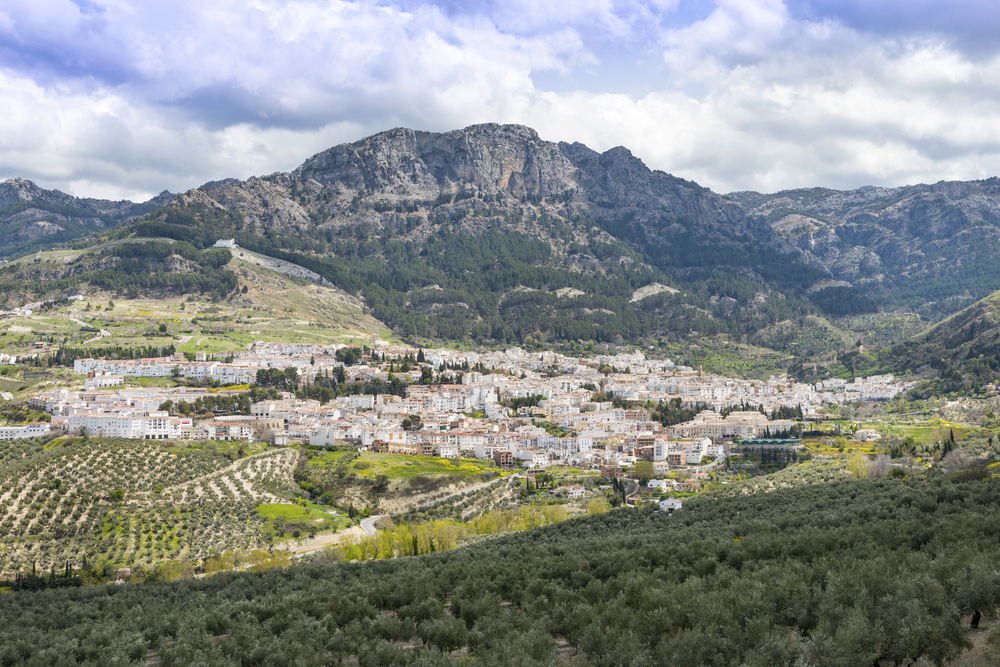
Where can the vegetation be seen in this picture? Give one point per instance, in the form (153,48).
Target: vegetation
(351,479)
(841,572)
(133,502)
(427,276)
(128,269)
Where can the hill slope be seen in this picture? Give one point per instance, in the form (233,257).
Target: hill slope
(32,218)
(964,350)
(930,248)
(841,573)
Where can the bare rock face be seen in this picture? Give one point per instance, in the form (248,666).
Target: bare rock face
(491,159)
(379,181)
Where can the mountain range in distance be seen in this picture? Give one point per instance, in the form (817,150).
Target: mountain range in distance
(493,235)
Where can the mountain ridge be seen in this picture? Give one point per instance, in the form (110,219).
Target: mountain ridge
(487,209)
(33,218)
(926,247)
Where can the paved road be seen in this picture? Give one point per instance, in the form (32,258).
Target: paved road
(369,523)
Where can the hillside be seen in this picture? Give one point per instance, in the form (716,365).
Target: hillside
(491,234)
(926,248)
(136,503)
(853,572)
(132,502)
(964,350)
(32,218)
(133,286)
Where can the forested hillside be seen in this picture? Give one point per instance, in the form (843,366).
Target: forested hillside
(148,268)
(963,350)
(824,573)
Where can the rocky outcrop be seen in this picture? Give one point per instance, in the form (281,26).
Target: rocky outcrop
(492,159)
(378,181)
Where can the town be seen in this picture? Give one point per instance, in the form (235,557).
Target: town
(514,407)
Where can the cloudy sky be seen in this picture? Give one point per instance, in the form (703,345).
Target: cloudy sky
(123,98)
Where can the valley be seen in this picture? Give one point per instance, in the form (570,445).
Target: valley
(435,398)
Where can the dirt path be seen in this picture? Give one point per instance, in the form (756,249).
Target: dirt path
(309,544)
(103,333)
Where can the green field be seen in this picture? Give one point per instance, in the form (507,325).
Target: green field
(302,517)
(403,467)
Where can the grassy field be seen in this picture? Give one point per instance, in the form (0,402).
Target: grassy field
(934,430)
(304,518)
(403,467)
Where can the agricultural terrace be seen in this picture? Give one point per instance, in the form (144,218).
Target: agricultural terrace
(388,483)
(291,521)
(402,467)
(134,502)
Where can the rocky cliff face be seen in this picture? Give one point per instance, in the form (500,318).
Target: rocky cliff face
(505,160)
(380,180)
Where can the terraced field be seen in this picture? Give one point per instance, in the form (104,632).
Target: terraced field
(133,502)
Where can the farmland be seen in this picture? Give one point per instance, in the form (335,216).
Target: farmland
(133,502)
(140,503)
(388,482)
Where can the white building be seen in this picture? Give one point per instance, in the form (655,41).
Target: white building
(29,430)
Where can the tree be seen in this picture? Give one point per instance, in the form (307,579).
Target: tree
(292,377)
(956,459)
(597,506)
(880,467)
(644,471)
(860,465)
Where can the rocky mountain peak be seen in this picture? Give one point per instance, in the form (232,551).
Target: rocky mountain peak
(490,158)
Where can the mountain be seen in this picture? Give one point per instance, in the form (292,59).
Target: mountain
(926,248)
(963,350)
(492,234)
(32,218)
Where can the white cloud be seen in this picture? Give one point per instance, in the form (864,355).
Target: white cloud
(136,97)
